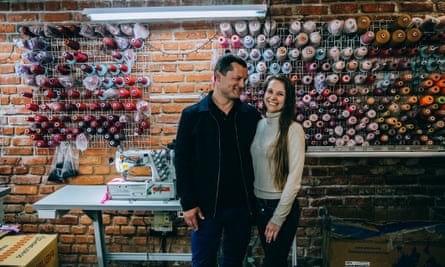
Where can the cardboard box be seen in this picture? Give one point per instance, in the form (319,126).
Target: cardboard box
(393,245)
(30,250)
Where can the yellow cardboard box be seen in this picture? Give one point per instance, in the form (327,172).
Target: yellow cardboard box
(29,250)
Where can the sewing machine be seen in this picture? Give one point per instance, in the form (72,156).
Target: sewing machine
(158,183)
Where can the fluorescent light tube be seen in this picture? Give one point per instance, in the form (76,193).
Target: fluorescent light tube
(181,13)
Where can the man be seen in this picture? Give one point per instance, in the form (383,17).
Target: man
(214,168)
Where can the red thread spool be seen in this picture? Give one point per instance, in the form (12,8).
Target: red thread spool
(136,92)
(123,92)
(128,105)
(116,105)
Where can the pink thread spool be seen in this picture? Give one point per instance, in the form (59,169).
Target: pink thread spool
(223,42)
(289,40)
(367,37)
(235,41)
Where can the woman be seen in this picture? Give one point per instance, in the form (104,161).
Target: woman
(278,152)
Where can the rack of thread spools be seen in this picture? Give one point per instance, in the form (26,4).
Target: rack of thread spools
(85,84)
(358,81)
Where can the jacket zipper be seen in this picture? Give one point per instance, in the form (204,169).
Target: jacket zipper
(219,165)
(241,166)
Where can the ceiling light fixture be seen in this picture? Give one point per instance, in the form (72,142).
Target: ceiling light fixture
(177,13)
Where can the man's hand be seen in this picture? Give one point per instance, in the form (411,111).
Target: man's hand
(191,217)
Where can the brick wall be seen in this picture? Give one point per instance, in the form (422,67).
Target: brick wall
(373,188)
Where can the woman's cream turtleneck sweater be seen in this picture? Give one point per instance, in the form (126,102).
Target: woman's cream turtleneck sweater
(261,150)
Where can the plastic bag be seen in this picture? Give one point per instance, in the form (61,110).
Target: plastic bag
(65,163)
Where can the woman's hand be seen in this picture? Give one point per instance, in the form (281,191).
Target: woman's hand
(271,231)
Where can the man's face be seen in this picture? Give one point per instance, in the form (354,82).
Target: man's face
(232,84)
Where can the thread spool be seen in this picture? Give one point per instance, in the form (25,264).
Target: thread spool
(320,53)
(270,27)
(433,90)
(226,29)
(397,37)
(254,27)
(311,67)
(440,100)
(242,53)
(309,26)
(426,83)
(426,100)
(345,79)
(261,41)
(294,54)
(248,41)
(350,26)
(347,53)
(334,53)
(286,68)
(268,54)
(382,37)
(301,39)
(255,54)
(241,28)
(412,100)
(235,41)
(315,38)
(434,77)
(326,66)
(223,42)
(360,52)
(367,37)
(289,40)
(335,27)
(274,41)
(401,22)
(261,67)
(407,77)
(295,27)
(352,65)
(274,68)
(404,90)
(363,23)
(281,53)
(413,36)
(308,53)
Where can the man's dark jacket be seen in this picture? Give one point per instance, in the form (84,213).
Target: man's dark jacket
(197,152)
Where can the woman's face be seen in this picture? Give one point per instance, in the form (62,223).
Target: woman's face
(274,96)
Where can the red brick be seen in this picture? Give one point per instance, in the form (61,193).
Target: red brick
(378,8)
(24,189)
(55,17)
(20,17)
